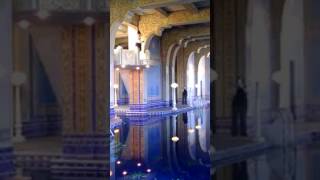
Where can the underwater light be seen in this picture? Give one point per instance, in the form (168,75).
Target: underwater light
(124,173)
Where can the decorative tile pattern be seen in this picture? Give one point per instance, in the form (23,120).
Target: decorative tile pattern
(84,57)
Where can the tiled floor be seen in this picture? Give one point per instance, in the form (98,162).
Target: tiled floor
(223,141)
(45,145)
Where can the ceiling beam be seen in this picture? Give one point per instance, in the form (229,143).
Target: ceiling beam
(168,3)
(162,12)
(191,7)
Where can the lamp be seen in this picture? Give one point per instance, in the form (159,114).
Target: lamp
(18,79)
(174,103)
(89,21)
(43,14)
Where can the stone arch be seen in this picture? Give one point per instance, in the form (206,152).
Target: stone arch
(203,79)
(170,57)
(173,66)
(292,53)
(167,74)
(113,30)
(147,42)
(190,76)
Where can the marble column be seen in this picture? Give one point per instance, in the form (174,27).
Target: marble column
(291,76)
(6,103)
(259,62)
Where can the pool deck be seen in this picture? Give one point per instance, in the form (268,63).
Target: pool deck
(165,111)
(229,149)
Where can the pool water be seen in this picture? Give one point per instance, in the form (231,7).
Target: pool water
(174,147)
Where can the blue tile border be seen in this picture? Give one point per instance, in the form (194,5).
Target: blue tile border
(7,168)
(93,146)
(43,126)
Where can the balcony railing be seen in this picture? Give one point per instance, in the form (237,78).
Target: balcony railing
(132,58)
(61,5)
(126,57)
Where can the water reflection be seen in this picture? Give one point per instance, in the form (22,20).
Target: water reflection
(148,151)
(288,163)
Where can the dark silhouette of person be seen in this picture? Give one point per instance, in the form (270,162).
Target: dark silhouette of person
(184,96)
(239,112)
(185,118)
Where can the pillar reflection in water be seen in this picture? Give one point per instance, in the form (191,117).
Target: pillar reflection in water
(150,146)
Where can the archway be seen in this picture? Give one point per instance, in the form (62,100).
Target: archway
(190,78)
(203,81)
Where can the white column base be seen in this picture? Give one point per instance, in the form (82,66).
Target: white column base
(18,139)
(260,139)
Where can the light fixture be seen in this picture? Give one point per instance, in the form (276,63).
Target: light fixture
(118,162)
(24,24)
(174,85)
(139,164)
(190,130)
(116,131)
(138,68)
(124,173)
(175,139)
(123,65)
(149,170)
(174,98)
(43,14)
(117,69)
(198,126)
(18,78)
(147,66)
(89,21)
(116,86)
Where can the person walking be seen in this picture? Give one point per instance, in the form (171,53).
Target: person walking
(239,112)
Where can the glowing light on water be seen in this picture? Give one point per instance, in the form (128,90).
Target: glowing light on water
(175,138)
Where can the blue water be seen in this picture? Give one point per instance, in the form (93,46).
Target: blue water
(146,151)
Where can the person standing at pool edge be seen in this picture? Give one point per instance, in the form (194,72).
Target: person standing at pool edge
(239,111)
(184,96)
